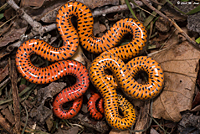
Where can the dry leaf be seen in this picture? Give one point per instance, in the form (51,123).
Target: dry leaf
(196,100)
(99,3)
(153,131)
(100,126)
(72,130)
(98,28)
(113,131)
(50,122)
(14,33)
(41,113)
(9,13)
(34,3)
(189,121)
(179,64)
(49,91)
(8,115)
(50,16)
(79,55)
(45,9)
(162,25)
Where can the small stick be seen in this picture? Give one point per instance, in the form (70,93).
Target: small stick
(37,27)
(174,23)
(113,9)
(15,96)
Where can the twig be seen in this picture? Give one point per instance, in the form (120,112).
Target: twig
(7,21)
(37,27)
(142,8)
(15,96)
(26,120)
(3,6)
(113,9)
(174,23)
(4,82)
(27,89)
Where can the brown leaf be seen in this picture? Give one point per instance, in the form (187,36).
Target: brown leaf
(162,25)
(50,16)
(49,122)
(113,131)
(41,113)
(5,124)
(8,115)
(34,3)
(49,91)
(46,9)
(189,120)
(22,87)
(9,13)
(72,130)
(179,64)
(13,34)
(100,126)
(193,22)
(99,3)
(153,131)
(98,28)
(84,108)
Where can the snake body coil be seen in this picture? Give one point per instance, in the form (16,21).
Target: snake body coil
(95,112)
(110,58)
(126,81)
(52,73)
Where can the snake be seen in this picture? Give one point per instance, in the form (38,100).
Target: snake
(96,112)
(53,72)
(124,74)
(71,37)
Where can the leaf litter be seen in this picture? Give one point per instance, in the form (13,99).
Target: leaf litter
(42,112)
